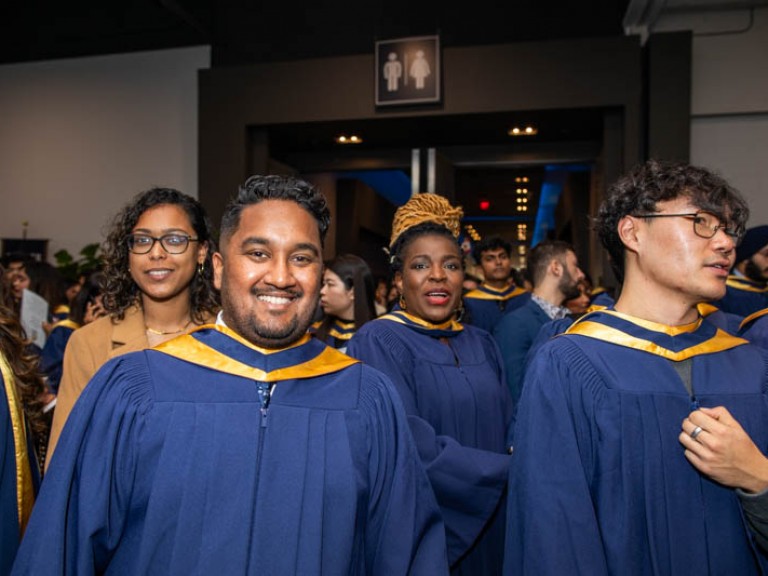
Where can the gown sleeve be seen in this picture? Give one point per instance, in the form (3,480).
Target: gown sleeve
(405,531)
(552,526)
(83,505)
(468,482)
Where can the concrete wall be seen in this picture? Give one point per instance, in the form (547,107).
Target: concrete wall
(80,137)
(729,124)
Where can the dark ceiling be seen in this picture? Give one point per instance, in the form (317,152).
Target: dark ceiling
(243,31)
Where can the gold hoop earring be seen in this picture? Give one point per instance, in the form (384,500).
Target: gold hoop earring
(200,268)
(401,303)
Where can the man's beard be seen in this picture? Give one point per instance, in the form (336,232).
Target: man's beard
(753,272)
(259,330)
(568,287)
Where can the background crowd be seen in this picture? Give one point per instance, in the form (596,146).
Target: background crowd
(530,422)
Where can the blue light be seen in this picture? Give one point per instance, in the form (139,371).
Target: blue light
(555,177)
(394,185)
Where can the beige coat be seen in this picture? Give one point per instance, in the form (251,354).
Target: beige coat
(88,349)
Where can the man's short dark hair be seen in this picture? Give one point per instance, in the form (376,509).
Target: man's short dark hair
(274,187)
(22,257)
(542,254)
(643,187)
(490,243)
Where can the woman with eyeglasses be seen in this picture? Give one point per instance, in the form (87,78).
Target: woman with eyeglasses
(158,285)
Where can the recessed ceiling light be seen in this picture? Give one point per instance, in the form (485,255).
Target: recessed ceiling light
(524,131)
(353,139)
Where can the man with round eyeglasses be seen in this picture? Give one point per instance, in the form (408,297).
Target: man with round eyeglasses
(705,224)
(599,481)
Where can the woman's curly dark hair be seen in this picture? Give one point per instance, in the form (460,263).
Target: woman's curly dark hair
(640,190)
(24,365)
(120,290)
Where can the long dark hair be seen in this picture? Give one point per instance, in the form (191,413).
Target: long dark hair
(120,290)
(356,275)
(24,366)
(47,281)
(90,290)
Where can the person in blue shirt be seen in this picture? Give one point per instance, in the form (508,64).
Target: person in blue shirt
(554,269)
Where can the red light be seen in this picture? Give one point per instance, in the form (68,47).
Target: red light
(484,204)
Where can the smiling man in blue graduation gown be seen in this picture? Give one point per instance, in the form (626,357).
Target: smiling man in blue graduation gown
(247,447)
(599,481)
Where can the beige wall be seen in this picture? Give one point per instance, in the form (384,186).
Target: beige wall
(79,137)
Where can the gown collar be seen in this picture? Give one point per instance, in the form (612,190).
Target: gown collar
(444,330)
(675,343)
(219,348)
(485,292)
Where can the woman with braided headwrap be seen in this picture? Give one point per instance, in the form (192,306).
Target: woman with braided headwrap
(450,377)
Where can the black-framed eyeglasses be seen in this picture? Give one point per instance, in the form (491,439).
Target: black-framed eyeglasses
(705,224)
(171,243)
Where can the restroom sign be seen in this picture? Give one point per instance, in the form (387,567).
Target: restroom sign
(408,71)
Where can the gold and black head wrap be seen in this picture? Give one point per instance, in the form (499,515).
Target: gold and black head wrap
(426,207)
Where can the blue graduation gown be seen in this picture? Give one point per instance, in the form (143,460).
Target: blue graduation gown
(52,355)
(600,297)
(485,305)
(755,328)
(179,460)
(459,410)
(743,296)
(339,334)
(19,476)
(599,483)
